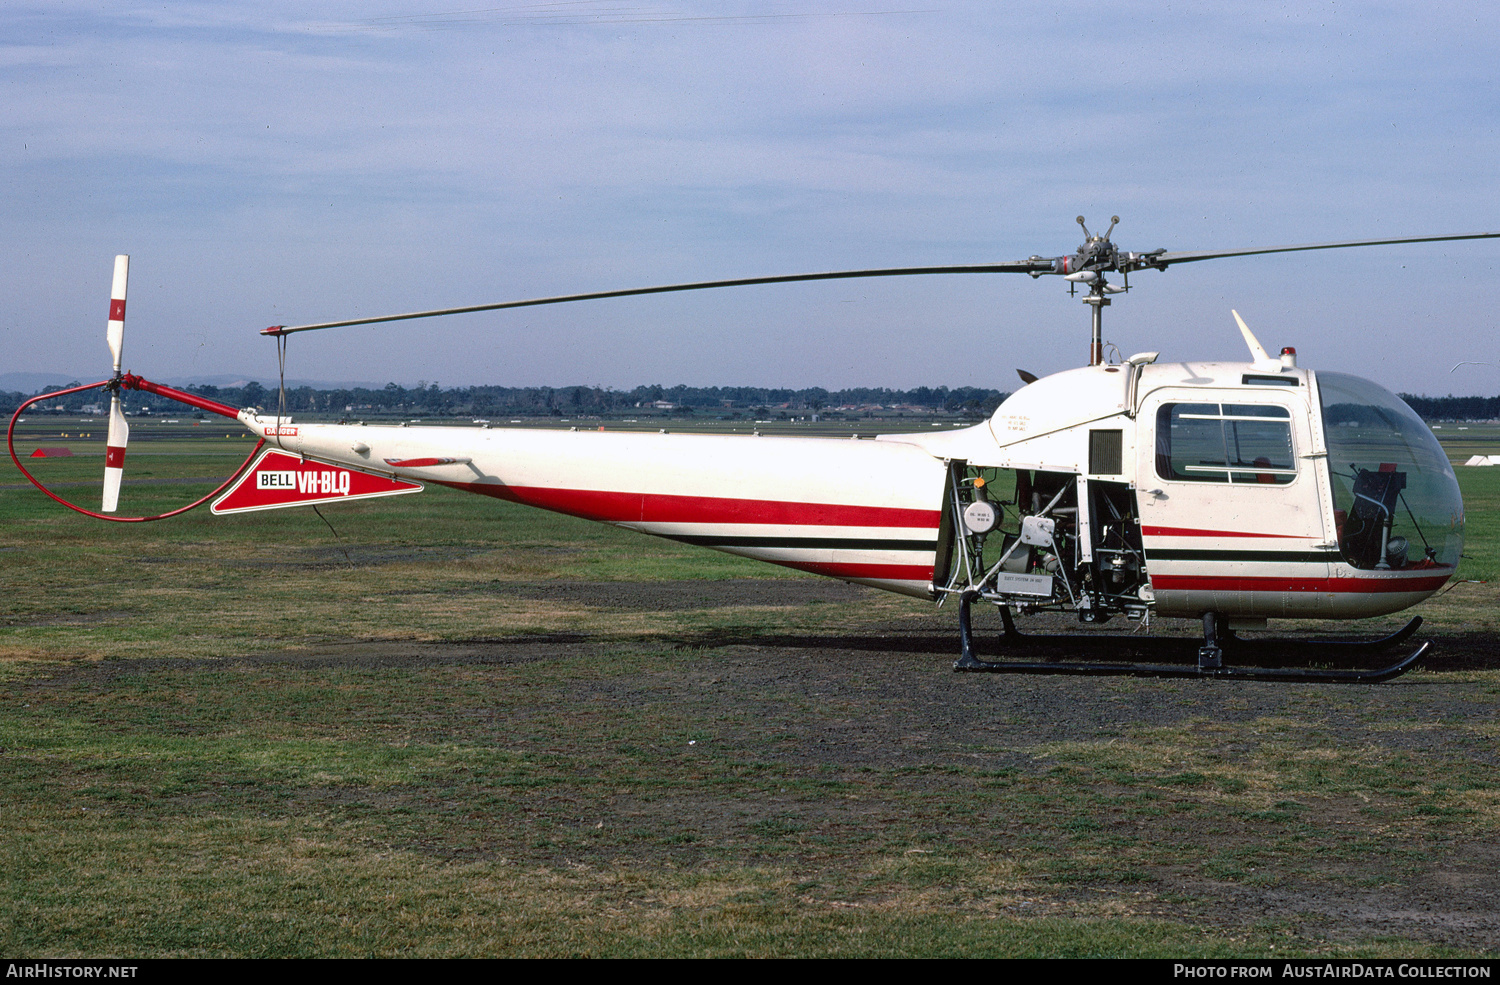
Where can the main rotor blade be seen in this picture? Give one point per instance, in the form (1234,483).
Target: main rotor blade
(1020,267)
(1162,259)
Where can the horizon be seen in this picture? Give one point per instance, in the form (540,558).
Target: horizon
(316,385)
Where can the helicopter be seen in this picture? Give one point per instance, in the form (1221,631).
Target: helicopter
(1144,488)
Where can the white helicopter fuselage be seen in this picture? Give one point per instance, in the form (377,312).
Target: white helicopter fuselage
(1172,489)
(856,510)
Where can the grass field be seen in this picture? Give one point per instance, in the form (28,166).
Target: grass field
(459,727)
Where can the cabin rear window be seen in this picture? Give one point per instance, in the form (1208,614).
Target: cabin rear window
(1232,443)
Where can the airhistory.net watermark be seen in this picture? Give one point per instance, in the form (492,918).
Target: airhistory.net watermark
(67,969)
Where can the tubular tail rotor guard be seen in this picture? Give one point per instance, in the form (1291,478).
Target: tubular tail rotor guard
(131,382)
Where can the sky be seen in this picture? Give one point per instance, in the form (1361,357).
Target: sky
(285,163)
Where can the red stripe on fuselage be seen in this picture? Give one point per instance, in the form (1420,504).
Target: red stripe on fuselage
(620,507)
(876,572)
(1192,532)
(1201,583)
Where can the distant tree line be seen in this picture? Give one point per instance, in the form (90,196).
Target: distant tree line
(430,399)
(1455,408)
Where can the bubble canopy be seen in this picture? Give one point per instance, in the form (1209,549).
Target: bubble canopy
(1396,499)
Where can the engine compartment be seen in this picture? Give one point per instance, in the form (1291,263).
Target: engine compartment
(1060,541)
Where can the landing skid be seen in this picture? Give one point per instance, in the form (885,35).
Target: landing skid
(1210,654)
(1351,646)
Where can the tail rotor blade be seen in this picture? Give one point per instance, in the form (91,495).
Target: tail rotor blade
(115,334)
(119,430)
(114,455)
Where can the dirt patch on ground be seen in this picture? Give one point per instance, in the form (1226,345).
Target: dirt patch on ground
(325,558)
(69,619)
(668,596)
(1048,636)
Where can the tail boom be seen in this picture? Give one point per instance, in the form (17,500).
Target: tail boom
(862,511)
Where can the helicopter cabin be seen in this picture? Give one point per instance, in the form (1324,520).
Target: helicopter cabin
(1251,490)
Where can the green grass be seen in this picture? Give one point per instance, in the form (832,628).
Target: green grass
(1461,440)
(284,810)
(278,810)
(1481,491)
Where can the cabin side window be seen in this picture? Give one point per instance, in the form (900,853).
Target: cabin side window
(1231,443)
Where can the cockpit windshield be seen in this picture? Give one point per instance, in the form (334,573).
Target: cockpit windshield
(1396,500)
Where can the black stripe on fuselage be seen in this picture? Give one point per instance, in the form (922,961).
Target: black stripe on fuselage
(1266,557)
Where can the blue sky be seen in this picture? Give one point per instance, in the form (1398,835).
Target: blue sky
(283,163)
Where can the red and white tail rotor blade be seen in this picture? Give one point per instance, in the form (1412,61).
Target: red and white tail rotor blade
(119,430)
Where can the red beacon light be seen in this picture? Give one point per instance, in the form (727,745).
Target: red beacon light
(1288,357)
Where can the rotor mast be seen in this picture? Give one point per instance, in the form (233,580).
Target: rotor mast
(1098,302)
(1094,257)
(1096,299)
